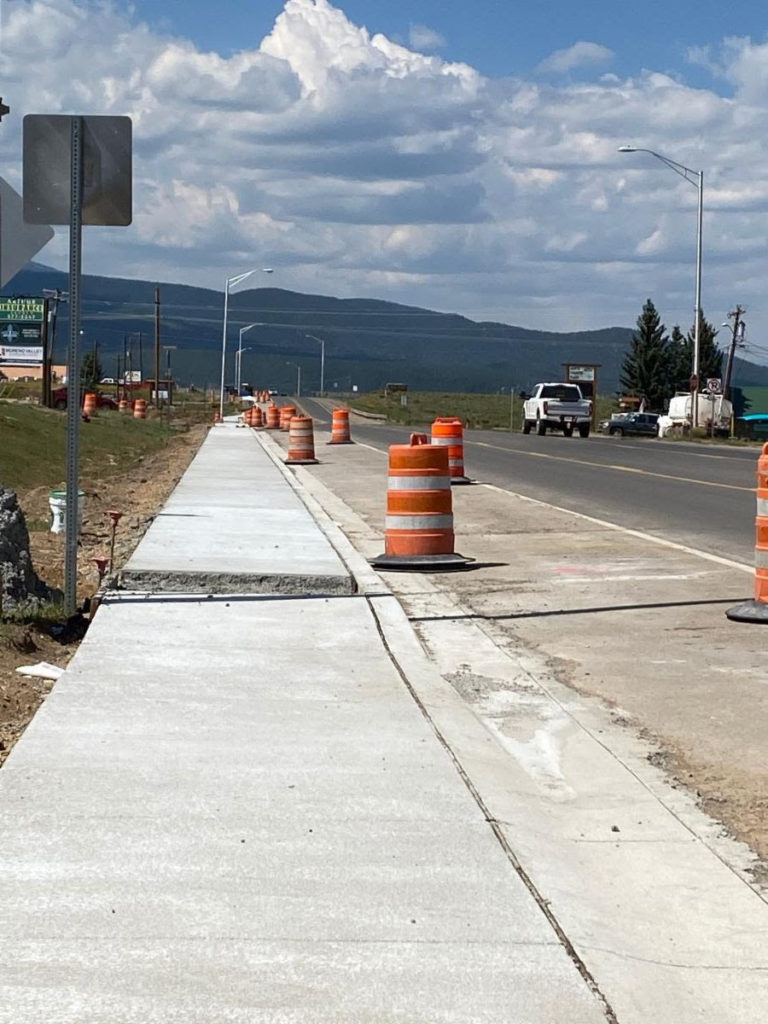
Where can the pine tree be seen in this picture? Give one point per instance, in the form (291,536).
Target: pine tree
(680,361)
(645,371)
(710,356)
(90,372)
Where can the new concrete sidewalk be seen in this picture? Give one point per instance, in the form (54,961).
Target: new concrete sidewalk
(232,809)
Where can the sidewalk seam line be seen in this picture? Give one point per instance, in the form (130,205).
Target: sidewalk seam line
(541,902)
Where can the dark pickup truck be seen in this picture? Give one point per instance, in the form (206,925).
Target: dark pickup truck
(632,423)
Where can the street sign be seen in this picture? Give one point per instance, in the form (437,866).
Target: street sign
(107,169)
(19,242)
(714,385)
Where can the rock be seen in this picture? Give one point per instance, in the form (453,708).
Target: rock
(20,587)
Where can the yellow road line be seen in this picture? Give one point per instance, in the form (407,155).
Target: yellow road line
(618,469)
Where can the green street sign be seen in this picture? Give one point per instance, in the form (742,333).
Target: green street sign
(22,310)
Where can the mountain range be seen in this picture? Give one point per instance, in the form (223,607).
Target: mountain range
(368,342)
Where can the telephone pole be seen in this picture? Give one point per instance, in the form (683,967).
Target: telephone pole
(157,348)
(737,339)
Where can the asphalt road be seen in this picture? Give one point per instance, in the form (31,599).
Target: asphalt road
(695,495)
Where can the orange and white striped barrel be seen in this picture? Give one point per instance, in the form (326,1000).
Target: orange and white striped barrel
(123,405)
(257,419)
(140,409)
(89,403)
(757,610)
(273,417)
(301,441)
(340,427)
(246,416)
(287,412)
(448,432)
(419,524)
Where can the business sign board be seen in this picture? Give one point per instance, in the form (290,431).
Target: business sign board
(18,355)
(577,374)
(21,331)
(19,310)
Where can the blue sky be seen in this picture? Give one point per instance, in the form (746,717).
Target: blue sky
(498,37)
(465,158)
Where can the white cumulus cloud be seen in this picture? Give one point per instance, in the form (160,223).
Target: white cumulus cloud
(577,56)
(422,37)
(356,165)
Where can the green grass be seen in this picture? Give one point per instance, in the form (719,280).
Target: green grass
(480,412)
(33,444)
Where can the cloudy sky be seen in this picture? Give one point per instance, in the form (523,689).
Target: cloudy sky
(461,157)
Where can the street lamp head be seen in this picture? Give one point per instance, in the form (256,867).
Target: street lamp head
(627,149)
(267,270)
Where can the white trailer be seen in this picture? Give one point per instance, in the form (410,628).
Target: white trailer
(714,411)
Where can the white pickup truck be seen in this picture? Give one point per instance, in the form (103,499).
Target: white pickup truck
(556,406)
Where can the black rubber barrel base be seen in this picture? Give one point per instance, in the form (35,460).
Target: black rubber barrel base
(749,611)
(424,563)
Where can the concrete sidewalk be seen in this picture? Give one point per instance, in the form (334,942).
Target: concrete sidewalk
(232,809)
(656,899)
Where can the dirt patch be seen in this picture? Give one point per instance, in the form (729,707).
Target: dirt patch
(137,493)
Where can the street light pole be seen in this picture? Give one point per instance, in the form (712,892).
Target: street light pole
(695,178)
(240,352)
(238,363)
(230,282)
(322,361)
(298,378)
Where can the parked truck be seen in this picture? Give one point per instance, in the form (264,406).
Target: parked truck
(556,406)
(713,414)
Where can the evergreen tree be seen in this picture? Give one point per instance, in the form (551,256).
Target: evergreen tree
(680,361)
(644,372)
(710,356)
(90,372)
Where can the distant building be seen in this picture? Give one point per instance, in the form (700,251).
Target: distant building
(33,371)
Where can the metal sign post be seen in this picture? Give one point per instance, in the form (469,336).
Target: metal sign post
(77,170)
(73,367)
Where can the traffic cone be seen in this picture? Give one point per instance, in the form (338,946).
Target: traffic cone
(340,427)
(301,442)
(448,431)
(757,610)
(419,524)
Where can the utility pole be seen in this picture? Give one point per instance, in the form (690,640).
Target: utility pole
(55,296)
(157,348)
(4,109)
(737,339)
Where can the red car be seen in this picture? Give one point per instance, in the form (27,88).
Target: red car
(59,399)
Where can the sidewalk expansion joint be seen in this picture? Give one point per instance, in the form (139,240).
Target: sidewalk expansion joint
(525,878)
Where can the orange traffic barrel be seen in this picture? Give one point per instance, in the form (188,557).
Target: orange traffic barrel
(757,610)
(419,523)
(140,409)
(89,403)
(273,417)
(301,442)
(340,427)
(257,420)
(448,432)
(122,405)
(287,412)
